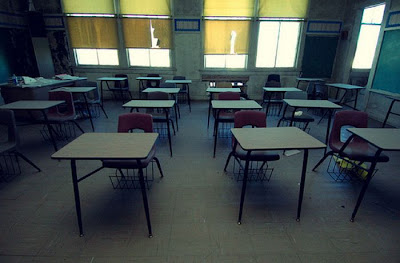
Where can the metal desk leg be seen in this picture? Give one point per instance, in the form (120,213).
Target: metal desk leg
(328,129)
(168,131)
(144,195)
(188,97)
(244,185)
(355,101)
(365,185)
(215,131)
(101,92)
(302,182)
(388,113)
(53,140)
(209,110)
(87,108)
(76,194)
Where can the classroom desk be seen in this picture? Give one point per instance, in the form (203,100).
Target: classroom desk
(217,90)
(394,99)
(154,104)
(308,80)
(142,85)
(83,91)
(279,138)
(107,146)
(185,85)
(106,80)
(173,92)
(346,88)
(219,105)
(313,104)
(36,105)
(383,140)
(269,91)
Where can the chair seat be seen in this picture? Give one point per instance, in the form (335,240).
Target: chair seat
(7,146)
(130,164)
(359,152)
(257,155)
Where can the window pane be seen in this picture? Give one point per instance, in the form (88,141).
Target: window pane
(373,14)
(139,57)
(366,46)
(267,44)
(159,58)
(287,45)
(214,61)
(86,56)
(108,57)
(236,61)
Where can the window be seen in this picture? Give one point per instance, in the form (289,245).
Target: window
(147,30)
(277,44)
(227,33)
(279,32)
(368,36)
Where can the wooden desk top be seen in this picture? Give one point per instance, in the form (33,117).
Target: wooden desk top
(75,89)
(383,138)
(218,90)
(149,104)
(322,104)
(280,89)
(166,90)
(277,138)
(31,104)
(101,146)
(235,104)
(310,79)
(344,86)
(149,78)
(179,81)
(111,78)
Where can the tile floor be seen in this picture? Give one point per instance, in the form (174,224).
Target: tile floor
(194,207)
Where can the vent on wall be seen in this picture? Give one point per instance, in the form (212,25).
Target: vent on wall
(324,27)
(187,25)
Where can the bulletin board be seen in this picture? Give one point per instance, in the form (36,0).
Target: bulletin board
(387,73)
(319,56)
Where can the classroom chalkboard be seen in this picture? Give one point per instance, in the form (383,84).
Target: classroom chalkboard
(319,56)
(387,73)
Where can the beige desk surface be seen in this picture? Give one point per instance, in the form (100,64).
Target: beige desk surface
(235,104)
(280,89)
(310,79)
(344,86)
(149,104)
(100,146)
(179,81)
(166,90)
(278,138)
(385,139)
(75,89)
(325,104)
(111,78)
(218,90)
(31,104)
(149,78)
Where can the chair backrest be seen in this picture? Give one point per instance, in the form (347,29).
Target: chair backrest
(321,91)
(229,96)
(298,95)
(357,119)
(153,83)
(274,77)
(65,109)
(167,85)
(250,117)
(158,95)
(7,119)
(179,77)
(134,120)
(121,84)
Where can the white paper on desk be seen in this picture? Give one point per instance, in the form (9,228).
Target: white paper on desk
(66,77)
(28,80)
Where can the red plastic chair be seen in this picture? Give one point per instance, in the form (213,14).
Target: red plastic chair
(256,119)
(357,149)
(126,123)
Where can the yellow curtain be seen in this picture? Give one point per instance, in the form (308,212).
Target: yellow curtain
(283,8)
(137,32)
(88,6)
(145,7)
(92,32)
(223,37)
(228,8)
